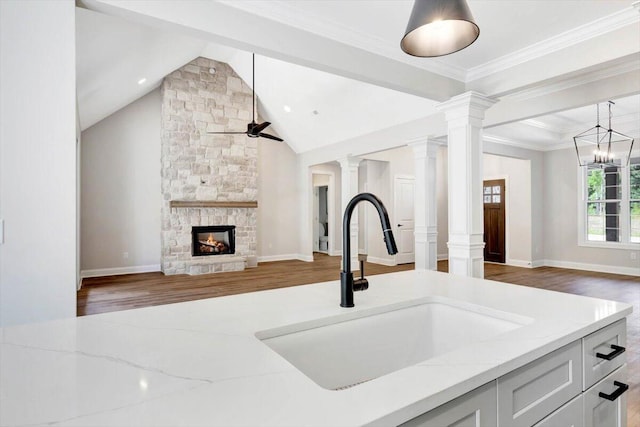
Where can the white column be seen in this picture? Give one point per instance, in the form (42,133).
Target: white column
(349,166)
(464,114)
(426,227)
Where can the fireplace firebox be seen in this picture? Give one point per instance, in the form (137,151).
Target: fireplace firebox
(213,240)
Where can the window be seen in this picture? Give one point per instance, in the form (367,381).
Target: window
(611,205)
(634,201)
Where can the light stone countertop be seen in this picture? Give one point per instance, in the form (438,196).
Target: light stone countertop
(200,363)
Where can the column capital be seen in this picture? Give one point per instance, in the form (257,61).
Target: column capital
(349,162)
(424,147)
(468,104)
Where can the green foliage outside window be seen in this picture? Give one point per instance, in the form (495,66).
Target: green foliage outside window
(596,200)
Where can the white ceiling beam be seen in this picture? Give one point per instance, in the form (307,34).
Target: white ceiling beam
(385,139)
(513,109)
(219,23)
(610,47)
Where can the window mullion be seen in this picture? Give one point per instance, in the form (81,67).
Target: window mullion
(625,218)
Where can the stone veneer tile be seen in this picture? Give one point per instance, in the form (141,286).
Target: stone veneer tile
(198,166)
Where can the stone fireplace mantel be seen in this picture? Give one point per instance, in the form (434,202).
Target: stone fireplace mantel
(211,204)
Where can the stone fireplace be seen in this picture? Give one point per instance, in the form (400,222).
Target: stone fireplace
(207,180)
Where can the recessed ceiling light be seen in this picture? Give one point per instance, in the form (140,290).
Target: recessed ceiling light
(142,80)
(287,108)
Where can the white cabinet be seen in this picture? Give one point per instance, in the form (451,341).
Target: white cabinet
(530,393)
(474,409)
(580,384)
(605,404)
(604,351)
(569,415)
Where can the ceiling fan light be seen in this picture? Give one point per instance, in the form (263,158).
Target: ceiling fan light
(439,27)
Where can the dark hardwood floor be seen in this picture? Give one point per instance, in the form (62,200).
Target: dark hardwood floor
(113,293)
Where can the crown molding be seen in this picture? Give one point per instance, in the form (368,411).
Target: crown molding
(584,32)
(287,14)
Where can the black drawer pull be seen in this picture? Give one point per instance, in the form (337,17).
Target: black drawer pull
(617,351)
(622,387)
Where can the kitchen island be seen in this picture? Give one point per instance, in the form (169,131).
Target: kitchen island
(204,362)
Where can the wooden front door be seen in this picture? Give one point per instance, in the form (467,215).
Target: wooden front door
(493,196)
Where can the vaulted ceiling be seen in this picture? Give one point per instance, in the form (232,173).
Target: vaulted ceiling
(338,67)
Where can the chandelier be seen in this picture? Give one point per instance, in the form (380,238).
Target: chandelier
(595,147)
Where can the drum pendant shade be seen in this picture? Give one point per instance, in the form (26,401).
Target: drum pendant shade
(439,27)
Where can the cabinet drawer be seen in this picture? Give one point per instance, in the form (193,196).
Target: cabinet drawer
(474,409)
(607,342)
(530,393)
(570,415)
(602,412)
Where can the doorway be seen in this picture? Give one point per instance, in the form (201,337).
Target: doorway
(322,210)
(493,201)
(321,219)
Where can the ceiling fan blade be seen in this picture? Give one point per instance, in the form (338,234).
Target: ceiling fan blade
(266,135)
(259,128)
(226,133)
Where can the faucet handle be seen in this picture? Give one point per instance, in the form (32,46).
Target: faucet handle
(360,284)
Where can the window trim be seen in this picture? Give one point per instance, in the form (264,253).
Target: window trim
(625,216)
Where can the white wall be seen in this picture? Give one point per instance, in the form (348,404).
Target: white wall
(517,174)
(375,179)
(520,220)
(383,167)
(37,161)
(538,201)
(78,199)
(561,231)
(442,202)
(121,190)
(278,201)
(121,193)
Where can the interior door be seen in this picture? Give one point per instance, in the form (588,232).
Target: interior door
(493,196)
(404,217)
(316,207)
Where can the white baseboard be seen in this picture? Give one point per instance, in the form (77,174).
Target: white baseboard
(282,257)
(335,252)
(381,261)
(537,263)
(519,263)
(443,257)
(285,257)
(629,271)
(119,270)
(305,258)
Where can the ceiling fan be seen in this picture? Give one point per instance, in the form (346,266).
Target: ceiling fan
(254,130)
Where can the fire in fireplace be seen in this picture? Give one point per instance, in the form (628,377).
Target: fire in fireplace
(213,240)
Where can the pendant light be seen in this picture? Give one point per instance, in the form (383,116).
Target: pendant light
(439,27)
(596,143)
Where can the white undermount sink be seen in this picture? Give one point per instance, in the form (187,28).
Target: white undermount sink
(347,350)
